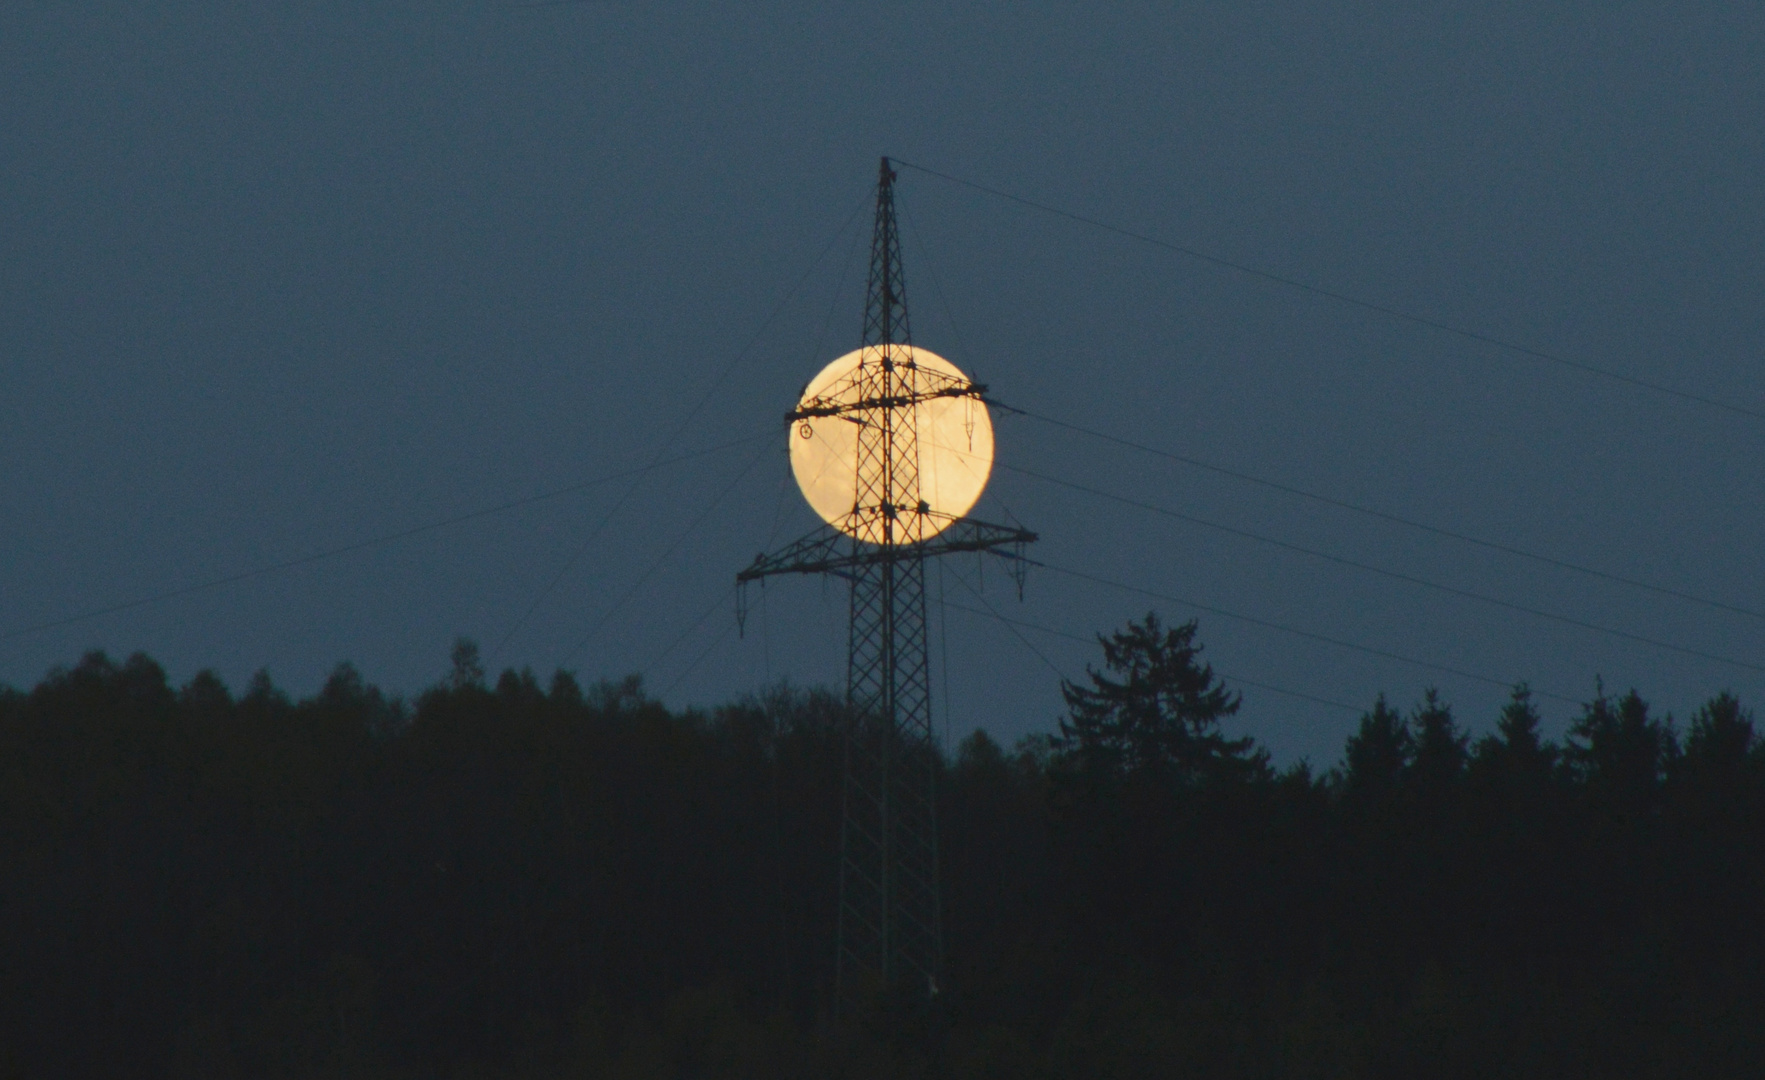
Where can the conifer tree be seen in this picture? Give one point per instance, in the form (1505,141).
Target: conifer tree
(1379,751)
(1515,757)
(1154,710)
(467,668)
(1619,751)
(1720,744)
(1440,747)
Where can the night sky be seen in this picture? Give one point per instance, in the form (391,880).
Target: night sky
(279,278)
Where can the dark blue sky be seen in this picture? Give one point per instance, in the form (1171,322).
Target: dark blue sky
(276,278)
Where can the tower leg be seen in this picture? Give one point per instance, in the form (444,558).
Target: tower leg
(890,924)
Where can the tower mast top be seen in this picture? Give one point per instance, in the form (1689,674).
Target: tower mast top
(885,308)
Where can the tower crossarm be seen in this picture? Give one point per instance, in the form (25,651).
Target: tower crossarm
(829,551)
(825,405)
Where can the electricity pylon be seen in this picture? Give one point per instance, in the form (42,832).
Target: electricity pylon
(891,911)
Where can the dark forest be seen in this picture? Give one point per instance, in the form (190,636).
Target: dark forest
(510,878)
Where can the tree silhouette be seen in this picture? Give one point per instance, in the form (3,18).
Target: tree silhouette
(1720,744)
(466,669)
(1154,711)
(1379,752)
(1515,753)
(1620,752)
(517,877)
(1440,747)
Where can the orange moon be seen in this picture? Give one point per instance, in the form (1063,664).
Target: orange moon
(955,447)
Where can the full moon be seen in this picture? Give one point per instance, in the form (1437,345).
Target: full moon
(955,447)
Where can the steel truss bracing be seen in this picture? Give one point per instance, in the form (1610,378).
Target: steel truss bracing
(890,917)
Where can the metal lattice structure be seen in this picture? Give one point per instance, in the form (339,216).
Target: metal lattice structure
(890,918)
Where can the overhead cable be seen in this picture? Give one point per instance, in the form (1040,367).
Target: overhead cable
(1011,626)
(1393,574)
(1345,298)
(690,668)
(1008,621)
(692,626)
(673,437)
(665,556)
(1341,504)
(1295,631)
(362,545)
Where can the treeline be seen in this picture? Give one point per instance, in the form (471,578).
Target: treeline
(527,880)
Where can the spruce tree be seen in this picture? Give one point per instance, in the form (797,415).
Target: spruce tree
(1440,746)
(1515,755)
(1720,745)
(1379,751)
(1619,751)
(1153,711)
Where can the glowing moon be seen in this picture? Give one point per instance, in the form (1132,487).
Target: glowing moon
(955,447)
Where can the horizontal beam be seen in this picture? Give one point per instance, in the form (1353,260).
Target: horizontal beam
(830,551)
(814,407)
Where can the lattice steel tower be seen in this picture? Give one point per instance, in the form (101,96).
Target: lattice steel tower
(890,916)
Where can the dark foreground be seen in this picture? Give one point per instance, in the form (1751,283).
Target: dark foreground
(542,881)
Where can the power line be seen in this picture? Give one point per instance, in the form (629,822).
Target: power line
(1393,574)
(1345,298)
(690,668)
(665,556)
(1490,545)
(1049,664)
(1092,641)
(1254,621)
(691,627)
(361,545)
(932,272)
(1369,568)
(674,436)
(834,298)
(1477,541)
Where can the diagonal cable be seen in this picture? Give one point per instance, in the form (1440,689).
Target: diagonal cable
(362,545)
(692,626)
(1009,625)
(1008,621)
(690,668)
(1393,574)
(1288,489)
(674,436)
(1491,545)
(1295,631)
(1345,298)
(665,556)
